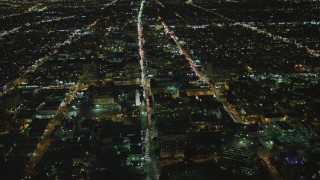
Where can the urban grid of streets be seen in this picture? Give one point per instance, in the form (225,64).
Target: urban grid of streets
(152,165)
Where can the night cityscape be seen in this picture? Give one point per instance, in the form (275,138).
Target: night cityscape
(160,89)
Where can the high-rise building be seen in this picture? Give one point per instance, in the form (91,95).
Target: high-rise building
(238,151)
(89,71)
(216,74)
(138,101)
